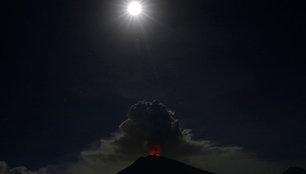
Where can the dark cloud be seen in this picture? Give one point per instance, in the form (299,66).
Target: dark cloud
(152,123)
(4,169)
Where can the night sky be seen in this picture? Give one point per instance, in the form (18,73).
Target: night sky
(233,71)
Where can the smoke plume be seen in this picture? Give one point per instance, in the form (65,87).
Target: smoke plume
(152,123)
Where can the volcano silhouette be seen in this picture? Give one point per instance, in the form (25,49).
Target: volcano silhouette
(157,165)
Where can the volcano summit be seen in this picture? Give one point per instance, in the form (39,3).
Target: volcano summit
(158,165)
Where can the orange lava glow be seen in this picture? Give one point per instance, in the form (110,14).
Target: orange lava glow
(155,149)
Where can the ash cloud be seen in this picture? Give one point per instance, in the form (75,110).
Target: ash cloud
(151,123)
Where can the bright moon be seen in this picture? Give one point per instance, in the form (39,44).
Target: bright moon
(134,8)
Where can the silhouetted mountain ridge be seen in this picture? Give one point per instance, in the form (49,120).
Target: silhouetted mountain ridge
(156,165)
